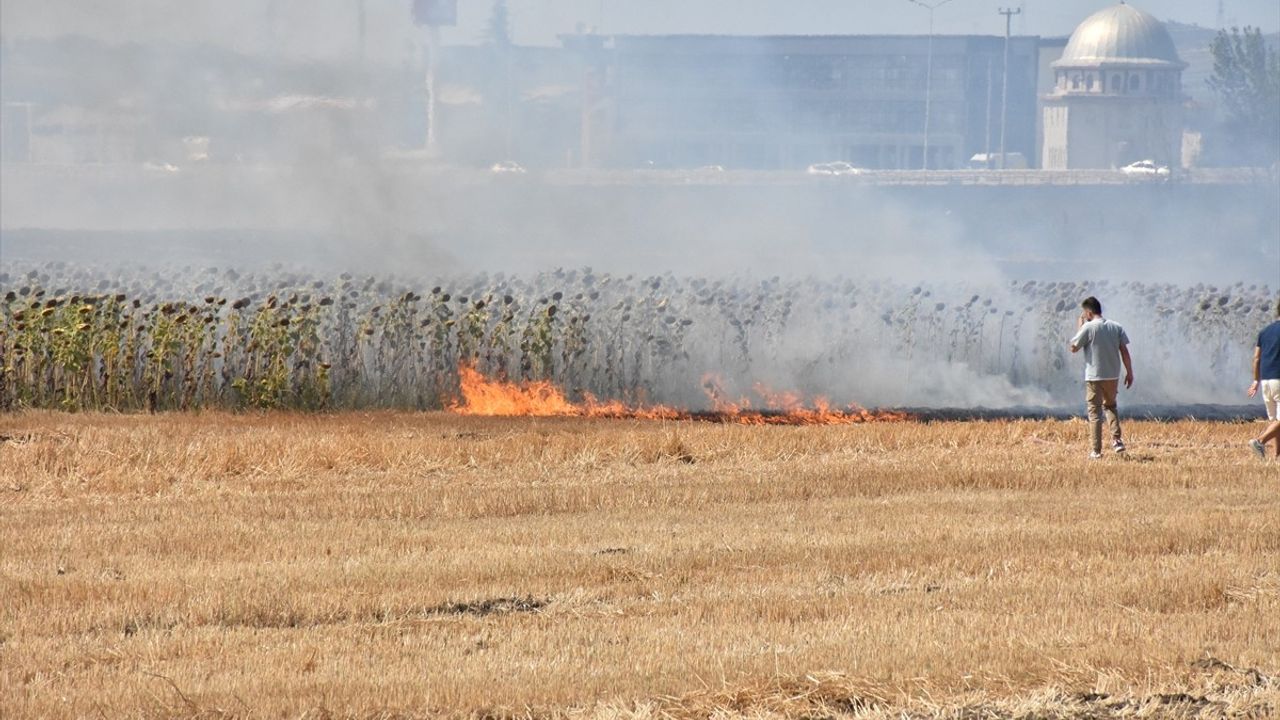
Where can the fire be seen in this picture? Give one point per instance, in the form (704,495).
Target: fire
(485,397)
(482,396)
(788,408)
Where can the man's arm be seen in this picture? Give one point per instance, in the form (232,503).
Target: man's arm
(1077,341)
(1257,371)
(1128,366)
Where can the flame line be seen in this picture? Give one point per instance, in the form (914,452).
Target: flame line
(497,398)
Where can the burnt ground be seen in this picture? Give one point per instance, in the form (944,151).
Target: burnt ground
(1164,413)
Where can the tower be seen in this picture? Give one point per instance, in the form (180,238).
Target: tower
(1117,96)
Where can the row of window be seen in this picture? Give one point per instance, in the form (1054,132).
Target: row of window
(888,117)
(811,72)
(1131,82)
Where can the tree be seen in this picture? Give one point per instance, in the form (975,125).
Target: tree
(1246,78)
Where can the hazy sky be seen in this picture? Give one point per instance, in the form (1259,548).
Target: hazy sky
(327,27)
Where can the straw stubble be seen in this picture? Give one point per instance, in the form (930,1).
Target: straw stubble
(424,564)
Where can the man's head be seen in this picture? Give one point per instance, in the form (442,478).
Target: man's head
(1092,308)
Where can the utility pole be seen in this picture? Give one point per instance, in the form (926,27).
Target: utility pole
(928,75)
(1004,94)
(987,135)
(1222,15)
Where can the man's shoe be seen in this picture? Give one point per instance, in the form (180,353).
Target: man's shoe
(1258,449)
(1118,446)
(1098,455)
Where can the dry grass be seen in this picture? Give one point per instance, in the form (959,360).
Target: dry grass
(421,564)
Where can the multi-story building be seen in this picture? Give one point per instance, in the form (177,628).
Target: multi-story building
(787,101)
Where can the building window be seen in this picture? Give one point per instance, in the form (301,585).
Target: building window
(1135,83)
(1117,83)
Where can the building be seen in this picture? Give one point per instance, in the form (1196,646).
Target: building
(72,100)
(1117,94)
(784,102)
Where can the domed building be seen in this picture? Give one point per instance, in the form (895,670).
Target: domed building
(1117,95)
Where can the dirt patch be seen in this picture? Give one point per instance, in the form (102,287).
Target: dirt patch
(464,435)
(612,551)
(490,606)
(293,618)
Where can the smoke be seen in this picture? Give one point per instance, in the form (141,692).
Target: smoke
(320,24)
(235,135)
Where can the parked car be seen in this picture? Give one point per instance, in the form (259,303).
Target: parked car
(834,168)
(1146,167)
(1012,161)
(507,166)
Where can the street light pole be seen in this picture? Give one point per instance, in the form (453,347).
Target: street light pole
(928,75)
(1004,93)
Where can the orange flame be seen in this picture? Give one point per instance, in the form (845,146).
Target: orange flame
(481,396)
(789,408)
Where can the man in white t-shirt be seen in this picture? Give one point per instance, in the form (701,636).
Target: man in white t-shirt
(1105,346)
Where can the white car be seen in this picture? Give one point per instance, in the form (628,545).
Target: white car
(1146,167)
(508,166)
(834,168)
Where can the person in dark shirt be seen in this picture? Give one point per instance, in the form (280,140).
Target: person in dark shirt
(1266,377)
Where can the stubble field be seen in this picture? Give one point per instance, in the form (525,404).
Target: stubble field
(396,564)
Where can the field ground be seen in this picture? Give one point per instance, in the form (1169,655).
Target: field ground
(378,565)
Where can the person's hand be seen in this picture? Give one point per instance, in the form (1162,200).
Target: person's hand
(1253,389)
(1128,380)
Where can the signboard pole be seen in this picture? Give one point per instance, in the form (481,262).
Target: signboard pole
(432,14)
